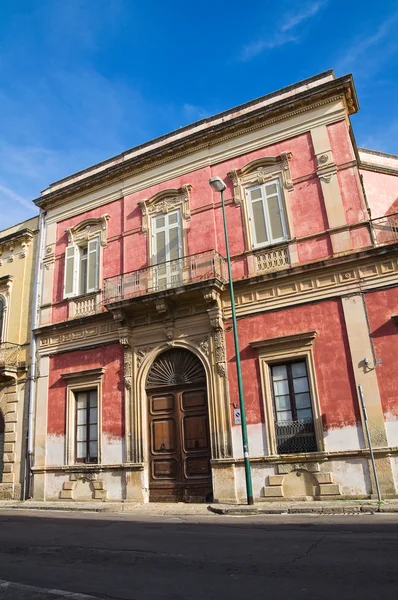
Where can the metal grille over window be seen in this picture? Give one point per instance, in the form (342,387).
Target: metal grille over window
(175,367)
(87,426)
(294,423)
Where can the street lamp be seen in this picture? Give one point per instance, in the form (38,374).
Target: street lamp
(217,184)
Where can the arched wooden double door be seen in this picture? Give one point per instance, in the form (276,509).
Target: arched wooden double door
(179,439)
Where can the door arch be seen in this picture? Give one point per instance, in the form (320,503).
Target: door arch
(179,438)
(2,427)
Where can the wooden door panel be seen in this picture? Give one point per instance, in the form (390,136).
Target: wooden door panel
(195,433)
(164,438)
(179,446)
(162,403)
(193,399)
(197,467)
(165,469)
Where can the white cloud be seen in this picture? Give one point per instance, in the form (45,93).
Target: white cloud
(285,33)
(11,195)
(293,19)
(372,45)
(194,112)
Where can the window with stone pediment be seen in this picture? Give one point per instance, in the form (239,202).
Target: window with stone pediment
(5,297)
(82,273)
(260,187)
(164,219)
(289,389)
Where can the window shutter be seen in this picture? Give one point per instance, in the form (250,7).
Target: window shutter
(174,249)
(70,272)
(160,247)
(275,212)
(258,226)
(93,265)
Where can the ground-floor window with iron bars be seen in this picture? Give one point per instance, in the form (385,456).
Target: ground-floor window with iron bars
(294,422)
(86,403)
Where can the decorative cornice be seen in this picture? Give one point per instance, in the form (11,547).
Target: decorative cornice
(174,143)
(164,202)
(88,373)
(89,228)
(288,341)
(15,244)
(259,171)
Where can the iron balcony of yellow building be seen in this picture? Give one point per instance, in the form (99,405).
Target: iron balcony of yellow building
(11,360)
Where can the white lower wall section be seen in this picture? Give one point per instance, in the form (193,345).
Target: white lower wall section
(112,450)
(257,440)
(392,430)
(394,467)
(344,438)
(55,450)
(114,484)
(54,483)
(351,473)
(260,475)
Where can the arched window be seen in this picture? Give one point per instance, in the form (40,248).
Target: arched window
(1,318)
(1,445)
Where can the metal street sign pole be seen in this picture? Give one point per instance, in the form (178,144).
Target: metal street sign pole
(372,458)
(248,477)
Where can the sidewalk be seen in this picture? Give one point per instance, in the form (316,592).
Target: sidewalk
(183,509)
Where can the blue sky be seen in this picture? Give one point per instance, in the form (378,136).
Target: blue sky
(82,80)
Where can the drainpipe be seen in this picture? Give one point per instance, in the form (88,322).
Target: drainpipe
(28,481)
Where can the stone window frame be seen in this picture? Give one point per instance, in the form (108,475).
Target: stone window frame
(80,381)
(80,235)
(5,294)
(163,202)
(257,172)
(281,350)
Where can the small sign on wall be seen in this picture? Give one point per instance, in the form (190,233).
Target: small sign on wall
(237,418)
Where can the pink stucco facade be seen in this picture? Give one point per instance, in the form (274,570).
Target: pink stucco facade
(309,298)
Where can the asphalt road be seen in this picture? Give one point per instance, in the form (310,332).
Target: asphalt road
(191,558)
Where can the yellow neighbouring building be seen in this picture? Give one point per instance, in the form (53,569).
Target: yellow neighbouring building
(17,265)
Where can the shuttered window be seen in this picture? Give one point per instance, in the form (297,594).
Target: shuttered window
(70,272)
(266,214)
(166,237)
(86,426)
(167,249)
(81,269)
(92,265)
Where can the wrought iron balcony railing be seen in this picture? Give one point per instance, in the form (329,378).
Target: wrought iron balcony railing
(295,436)
(165,276)
(10,355)
(385,229)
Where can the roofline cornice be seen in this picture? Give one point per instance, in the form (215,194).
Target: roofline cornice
(212,134)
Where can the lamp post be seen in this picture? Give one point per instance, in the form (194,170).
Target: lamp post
(218,185)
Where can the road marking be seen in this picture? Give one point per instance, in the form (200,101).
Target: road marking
(11,585)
